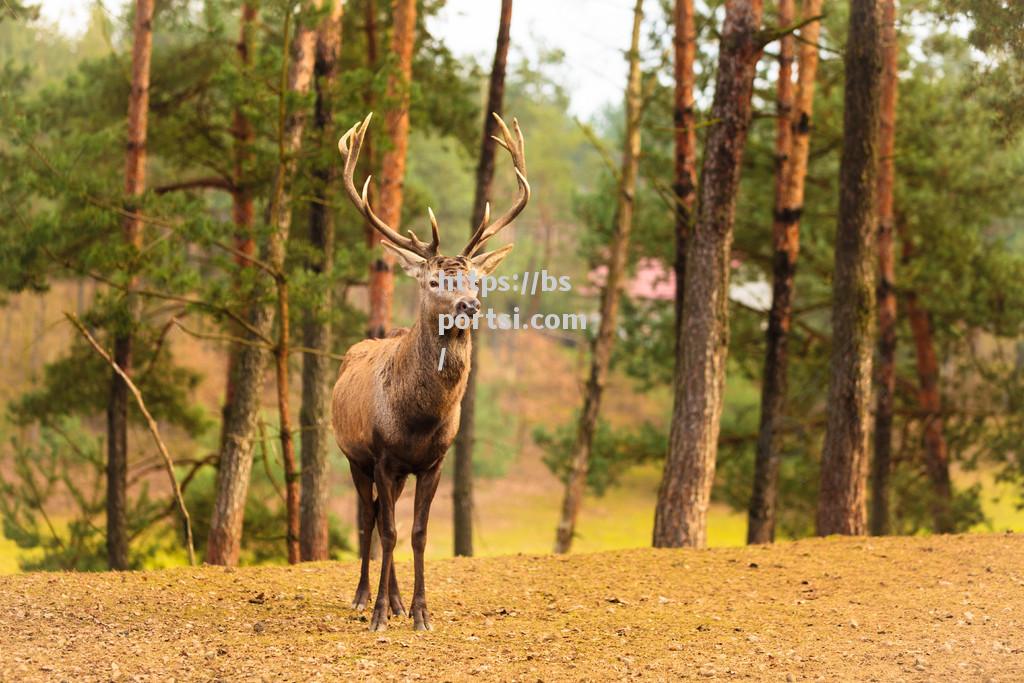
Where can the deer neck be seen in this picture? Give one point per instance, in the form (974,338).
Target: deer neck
(425,349)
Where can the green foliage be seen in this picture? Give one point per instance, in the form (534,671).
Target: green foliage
(613,452)
(52,501)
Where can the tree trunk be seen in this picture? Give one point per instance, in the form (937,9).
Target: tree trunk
(462,493)
(681,515)
(134,186)
(317,368)
(241,197)
(685,167)
(605,340)
(368,158)
(392,171)
(842,496)
(885,293)
(236,459)
(792,148)
(935,449)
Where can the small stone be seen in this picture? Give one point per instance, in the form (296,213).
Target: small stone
(259,627)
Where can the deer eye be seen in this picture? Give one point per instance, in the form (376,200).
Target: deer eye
(433,284)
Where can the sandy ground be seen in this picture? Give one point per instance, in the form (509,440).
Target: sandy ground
(937,609)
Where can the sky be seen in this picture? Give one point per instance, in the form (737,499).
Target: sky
(593,34)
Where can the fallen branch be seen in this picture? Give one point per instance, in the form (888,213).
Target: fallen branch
(153,429)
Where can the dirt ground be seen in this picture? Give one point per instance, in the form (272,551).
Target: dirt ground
(941,609)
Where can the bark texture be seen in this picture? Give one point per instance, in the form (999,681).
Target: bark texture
(684,187)
(317,368)
(605,340)
(236,457)
(134,186)
(242,213)
(392,172)
(681,515)
(886,294)
(842,496)
(792,149)
(462,491)
(935,449)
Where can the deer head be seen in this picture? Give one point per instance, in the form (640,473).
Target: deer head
(436,273)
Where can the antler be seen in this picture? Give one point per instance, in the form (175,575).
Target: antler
(517,149)
(350,145)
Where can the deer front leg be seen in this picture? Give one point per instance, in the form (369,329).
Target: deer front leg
(367,520)
(394,596)
(426,486)
(386,484)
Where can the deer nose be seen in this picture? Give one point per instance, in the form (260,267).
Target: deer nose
(467,305)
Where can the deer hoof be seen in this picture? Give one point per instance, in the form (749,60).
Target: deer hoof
(420,619)
(362,598)
(397,608)
(379,622)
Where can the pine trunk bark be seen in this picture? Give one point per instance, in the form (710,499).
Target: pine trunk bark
(235,466)
(685,162)
(605,340)
(392,171)
(317,367)
(885,294)
(792,149)
(935,449)
(134,186)
(242,213)
(462,492)
(842,496)
(684,495)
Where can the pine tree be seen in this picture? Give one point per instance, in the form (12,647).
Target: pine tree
(842,495)
(681,513)
(318,370)
(792,152)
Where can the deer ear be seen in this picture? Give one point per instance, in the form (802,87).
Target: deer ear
(412,263)
(486,263)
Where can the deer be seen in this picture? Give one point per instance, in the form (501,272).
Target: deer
(396,404)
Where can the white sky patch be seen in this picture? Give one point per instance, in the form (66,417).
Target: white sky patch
(593,34)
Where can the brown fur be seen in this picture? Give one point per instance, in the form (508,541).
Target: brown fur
(395,414)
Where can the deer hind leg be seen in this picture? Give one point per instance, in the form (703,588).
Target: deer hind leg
(386,486)
(394,596)
(367,520)
(426,487)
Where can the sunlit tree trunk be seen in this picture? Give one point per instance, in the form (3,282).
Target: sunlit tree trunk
(886,294)
(392,169)
(681,515)
(462,493)
(842,496)
(685,162)
(792,149)
(605,340)
(134,186)
(317,368)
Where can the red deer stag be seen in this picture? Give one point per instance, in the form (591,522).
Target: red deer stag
(396,403)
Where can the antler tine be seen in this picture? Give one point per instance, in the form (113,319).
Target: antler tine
(350,145)
(516,146)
